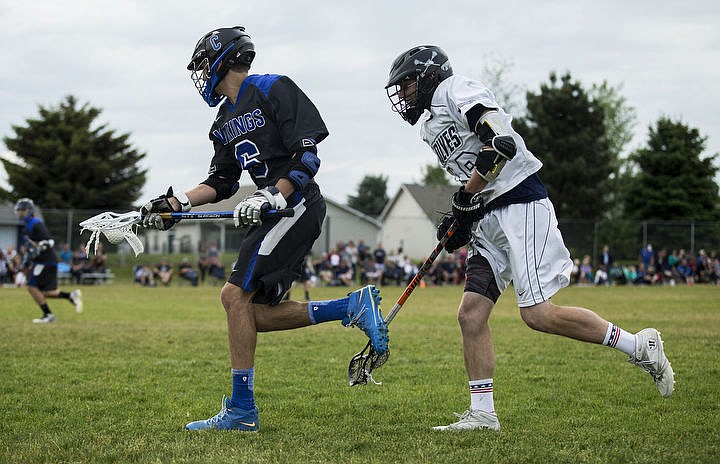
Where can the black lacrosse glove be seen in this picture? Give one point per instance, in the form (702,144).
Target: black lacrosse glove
(467,207)
(461,237)
(31,252)
(160,204)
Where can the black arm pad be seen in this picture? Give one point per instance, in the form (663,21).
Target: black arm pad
(484,131)
(224,179)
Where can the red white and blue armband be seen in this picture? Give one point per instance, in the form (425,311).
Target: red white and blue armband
(304,165)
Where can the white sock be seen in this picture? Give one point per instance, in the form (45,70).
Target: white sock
(620,339)
(481,395)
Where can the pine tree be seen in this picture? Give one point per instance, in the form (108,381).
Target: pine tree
(67,161)
(670,180)
(565,129)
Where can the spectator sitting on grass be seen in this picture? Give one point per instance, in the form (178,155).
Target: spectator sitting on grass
(575,272)
(186,271)
(685,271)
(586,272)
(630,273)
(144,276)
(4,268)
(617,274)
(370,275)
(601,276)
(393,274)
(164,272)
(97,264)
(344,273)
(715,269)
(80,263)
(644,275)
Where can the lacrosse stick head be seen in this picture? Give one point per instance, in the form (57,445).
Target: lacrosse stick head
(116,227)
(363,363)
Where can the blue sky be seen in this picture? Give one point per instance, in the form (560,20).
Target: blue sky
(128,58)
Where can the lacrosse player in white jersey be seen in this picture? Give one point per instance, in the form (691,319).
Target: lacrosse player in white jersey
(516,239)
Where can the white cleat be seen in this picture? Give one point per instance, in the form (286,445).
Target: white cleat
(46,319)
(472,420)
(76,299)
(650,357)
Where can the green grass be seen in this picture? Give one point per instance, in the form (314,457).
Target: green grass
(118,383)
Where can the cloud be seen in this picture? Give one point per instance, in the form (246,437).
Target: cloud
(128,58)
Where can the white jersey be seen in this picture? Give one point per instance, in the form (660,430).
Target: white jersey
(445,128)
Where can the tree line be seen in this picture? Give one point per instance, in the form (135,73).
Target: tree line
(64,160)
(580,135)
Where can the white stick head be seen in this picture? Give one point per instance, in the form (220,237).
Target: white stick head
(116,227)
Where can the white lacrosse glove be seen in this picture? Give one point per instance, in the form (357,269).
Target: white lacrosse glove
(46,244)
(248,211)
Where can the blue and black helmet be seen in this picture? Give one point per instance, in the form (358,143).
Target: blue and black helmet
(25,204)
(215,53)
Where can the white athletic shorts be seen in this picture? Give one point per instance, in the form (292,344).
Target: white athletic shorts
(524,247)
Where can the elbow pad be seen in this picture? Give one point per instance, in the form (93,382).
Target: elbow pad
(303,168)
(492,129)
(489,125)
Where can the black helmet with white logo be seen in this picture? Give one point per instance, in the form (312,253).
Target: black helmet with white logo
(425,66)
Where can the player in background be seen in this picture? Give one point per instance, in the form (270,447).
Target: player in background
(267,126)
(41,262)
(516,238)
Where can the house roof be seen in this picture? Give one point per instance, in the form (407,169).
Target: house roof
(7,214)
(8,217)
(431,199)
(247,190)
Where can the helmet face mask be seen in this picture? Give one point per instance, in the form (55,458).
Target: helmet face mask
(215,53)
(425,67)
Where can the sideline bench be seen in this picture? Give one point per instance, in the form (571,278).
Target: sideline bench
(99,278)
(64,278)
(87,278)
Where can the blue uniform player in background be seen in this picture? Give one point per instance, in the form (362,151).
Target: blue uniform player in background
(40,262)
(266,126)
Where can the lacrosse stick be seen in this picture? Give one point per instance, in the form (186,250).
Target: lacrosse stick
(364,362)
(117,227)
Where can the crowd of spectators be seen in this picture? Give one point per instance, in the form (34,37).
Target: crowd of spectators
(652,268)
(208,266)
(348,264)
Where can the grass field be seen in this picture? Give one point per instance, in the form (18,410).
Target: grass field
(118,383)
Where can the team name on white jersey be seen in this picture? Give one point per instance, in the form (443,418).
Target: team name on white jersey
(446,130)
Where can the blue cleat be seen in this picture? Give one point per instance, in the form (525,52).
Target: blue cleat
(364,311)
(229,418)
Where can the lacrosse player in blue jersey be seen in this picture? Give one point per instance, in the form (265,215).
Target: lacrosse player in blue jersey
(266,126)
(516,238)
(40,261)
